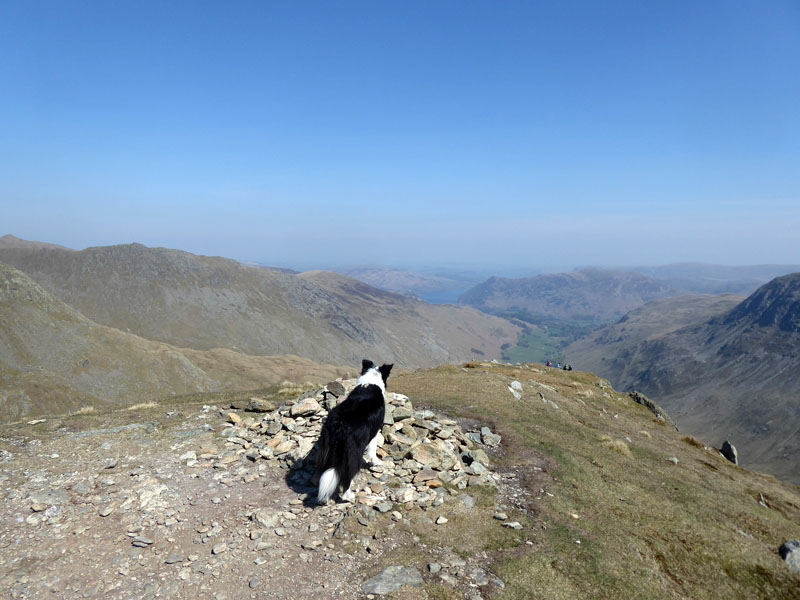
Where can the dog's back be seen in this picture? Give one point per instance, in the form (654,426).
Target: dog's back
(349,428)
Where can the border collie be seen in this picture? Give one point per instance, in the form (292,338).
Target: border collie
(352,427)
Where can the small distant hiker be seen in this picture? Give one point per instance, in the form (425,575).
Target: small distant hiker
(549,364)
(565,367)
(558,365)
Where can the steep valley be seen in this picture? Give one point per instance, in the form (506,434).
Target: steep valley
(731,373)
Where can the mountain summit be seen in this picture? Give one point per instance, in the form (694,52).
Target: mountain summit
(775,304)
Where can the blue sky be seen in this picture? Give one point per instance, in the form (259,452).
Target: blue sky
(406,133)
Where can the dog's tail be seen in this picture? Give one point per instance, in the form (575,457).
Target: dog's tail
(327,485)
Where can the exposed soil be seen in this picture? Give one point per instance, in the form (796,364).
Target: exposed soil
(107,506)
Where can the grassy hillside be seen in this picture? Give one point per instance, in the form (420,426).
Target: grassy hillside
(55,360)
(205,302)
(606,512)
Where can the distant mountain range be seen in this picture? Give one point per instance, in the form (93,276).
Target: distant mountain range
(582,299)
(701,278)
(427,287)
(204,302)
(723,368)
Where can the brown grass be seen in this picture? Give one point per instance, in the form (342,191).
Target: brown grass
(694,442)
(618,446)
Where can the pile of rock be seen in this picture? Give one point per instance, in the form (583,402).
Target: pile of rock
(421,451)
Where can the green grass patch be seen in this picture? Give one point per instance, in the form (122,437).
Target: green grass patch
(648,528)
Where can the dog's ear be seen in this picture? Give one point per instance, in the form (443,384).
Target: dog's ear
(366,365)
(384,371)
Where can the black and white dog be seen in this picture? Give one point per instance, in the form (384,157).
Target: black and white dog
(352,427)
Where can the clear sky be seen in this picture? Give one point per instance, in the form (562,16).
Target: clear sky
(324,133)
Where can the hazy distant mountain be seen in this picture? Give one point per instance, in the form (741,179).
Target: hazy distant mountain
(10,241)
(735,375)
(425,286)
(700,278)
(209,302)
(53,360)
(591,295)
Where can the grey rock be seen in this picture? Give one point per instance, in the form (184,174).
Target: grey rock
(654,408)
(479,455)
(434,567)
(467,501)
(391,579)
(335,388)
(492,439)
(259,405)
(474,436)
(219,549)
(254,583)
(478,468)
(305,408)
(400,413)
(790,553)
(264,517)
(480,577)
(174,559)
(728,450)
(383,507)
(141,542)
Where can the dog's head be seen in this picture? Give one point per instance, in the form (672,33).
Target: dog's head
(384,370)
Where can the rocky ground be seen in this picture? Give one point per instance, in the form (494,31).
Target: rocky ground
(216,502)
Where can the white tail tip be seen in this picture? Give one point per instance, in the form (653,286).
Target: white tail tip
(327,485)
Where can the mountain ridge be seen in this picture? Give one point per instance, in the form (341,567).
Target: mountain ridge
(53,360)
(598,294)
(203,302)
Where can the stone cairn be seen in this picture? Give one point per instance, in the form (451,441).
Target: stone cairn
(425,456)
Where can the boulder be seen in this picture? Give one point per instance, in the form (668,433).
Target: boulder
(728,450)
(259,405)
(435,455)
(790,553)
(391,579)
(336,388)
(305,408)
